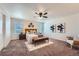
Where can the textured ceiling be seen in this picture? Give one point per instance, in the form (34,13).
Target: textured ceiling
(27,10)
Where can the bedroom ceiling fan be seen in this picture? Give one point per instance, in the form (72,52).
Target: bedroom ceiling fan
(42,14)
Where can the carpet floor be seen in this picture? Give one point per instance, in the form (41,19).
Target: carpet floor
(58,48)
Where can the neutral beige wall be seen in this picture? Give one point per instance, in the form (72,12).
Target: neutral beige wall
(5,34)
(1,34)
(71,27)
(27,22)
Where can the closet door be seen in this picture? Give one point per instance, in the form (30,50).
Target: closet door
(1,33)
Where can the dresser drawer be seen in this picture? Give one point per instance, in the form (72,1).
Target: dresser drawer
(76,42)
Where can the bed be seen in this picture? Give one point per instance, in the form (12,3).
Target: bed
(30,37)
(31,34)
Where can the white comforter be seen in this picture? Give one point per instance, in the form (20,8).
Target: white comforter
(30,37)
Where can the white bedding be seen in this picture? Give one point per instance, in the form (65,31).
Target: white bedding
(30,37)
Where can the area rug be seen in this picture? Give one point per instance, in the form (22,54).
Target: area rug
(32,47)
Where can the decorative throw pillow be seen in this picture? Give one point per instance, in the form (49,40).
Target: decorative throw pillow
(70,38)
(35,37)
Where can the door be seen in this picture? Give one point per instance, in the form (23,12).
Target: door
(1,33)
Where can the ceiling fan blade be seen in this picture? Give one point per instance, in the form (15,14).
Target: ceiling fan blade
(36,13)
(45,13)
(45,16)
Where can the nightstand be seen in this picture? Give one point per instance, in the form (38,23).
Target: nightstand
(22,36)
(76,44)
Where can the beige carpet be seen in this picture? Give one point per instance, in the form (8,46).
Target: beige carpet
(58,48)
(32,47)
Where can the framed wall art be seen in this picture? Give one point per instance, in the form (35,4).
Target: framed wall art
(53,28)
(60,28)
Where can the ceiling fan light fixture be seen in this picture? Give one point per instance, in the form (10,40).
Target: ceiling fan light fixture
(42,14)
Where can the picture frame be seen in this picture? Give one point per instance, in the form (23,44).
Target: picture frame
(53,28)
(60,28)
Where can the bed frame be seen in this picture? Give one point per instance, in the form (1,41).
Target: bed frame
(40,39)
(31,30)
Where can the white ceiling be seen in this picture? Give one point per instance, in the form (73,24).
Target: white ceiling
(27,10)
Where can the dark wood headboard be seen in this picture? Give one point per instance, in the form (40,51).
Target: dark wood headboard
(30,30)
